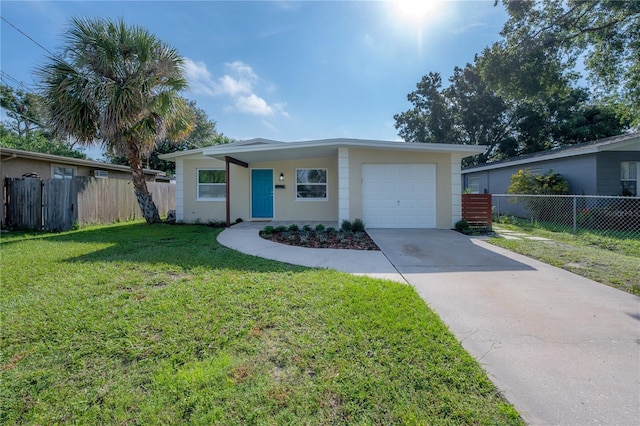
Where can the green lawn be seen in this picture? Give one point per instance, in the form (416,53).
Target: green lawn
(138,324)
(608,259)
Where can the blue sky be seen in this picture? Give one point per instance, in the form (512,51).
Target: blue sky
(281,70)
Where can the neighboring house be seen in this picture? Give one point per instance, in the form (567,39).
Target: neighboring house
(386,184)
(608,166)
(15,163)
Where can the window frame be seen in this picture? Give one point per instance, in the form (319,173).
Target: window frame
(64,168)
(199,184)
(325,184)
(473,183)
(628,178)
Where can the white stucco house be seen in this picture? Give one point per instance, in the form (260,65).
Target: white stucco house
(386,184)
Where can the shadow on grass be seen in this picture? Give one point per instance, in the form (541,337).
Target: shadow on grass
(186,246)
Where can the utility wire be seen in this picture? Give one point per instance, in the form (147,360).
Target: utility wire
(27,36)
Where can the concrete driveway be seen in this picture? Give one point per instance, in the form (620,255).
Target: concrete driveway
(563,349)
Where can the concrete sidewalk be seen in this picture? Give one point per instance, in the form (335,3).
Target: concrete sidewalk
(244,238)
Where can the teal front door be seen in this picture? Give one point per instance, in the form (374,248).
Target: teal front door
(262,193)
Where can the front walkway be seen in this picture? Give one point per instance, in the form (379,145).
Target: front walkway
(244,238)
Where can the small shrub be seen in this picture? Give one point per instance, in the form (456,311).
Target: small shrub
(331,230)
(319,227)
(306,228)
(292,238)
(346,226)
(268,230)
(358,235)
(462,226)
(357,225)
(344,241)
(238,220)
(280,228)
(294,228)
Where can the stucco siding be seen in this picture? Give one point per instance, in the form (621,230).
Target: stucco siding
(609,170)
(286,206)
(358,157)
(195,210)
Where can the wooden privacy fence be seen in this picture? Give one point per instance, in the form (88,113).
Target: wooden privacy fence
(476,209)
(60,204)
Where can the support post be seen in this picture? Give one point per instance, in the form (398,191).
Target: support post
(230,160)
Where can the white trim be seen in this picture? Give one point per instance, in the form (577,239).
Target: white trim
(343,184)
(311,199)
(221,150)
(179,190)
(209,199)
(273,194)
(456,189)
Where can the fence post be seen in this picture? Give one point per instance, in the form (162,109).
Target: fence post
(575,216)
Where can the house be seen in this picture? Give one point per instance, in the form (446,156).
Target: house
(386,184)
(603,167)
(16,163)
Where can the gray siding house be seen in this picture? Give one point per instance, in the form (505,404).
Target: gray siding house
(608,166)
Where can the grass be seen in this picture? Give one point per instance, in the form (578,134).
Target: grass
(607,259)
(137,324)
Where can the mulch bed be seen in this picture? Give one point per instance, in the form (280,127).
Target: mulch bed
(325,239)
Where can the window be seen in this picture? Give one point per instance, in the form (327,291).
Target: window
(629,177)
(211,184)
(58,172)
(473,184)
(311,184)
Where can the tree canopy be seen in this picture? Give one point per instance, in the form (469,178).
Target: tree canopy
(118,85)
(204,134)
(523,94)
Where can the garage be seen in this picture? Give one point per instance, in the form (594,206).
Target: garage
(399,195)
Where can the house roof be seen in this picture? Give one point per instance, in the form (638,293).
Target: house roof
(626,142)
(9,153)
(254,150)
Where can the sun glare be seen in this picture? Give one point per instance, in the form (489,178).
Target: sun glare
(417,10)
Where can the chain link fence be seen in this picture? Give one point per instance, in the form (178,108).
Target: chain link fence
(619,216)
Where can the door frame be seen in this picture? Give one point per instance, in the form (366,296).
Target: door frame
(273,198)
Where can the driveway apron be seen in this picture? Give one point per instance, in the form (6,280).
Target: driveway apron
(563,349)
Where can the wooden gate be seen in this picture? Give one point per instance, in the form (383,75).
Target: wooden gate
(476,209)
(23,202)
(59,204)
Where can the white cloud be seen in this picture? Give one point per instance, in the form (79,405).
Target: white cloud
(253,104)
(199,77)
(239,83)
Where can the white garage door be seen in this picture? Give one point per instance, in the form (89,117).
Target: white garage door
(399,195)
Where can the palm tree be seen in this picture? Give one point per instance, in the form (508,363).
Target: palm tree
(117,85)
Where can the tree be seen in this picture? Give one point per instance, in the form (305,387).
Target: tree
(605,32)
(430,119)
(204,134)
(23,108)
(117,85)
(513,102)
(37,141)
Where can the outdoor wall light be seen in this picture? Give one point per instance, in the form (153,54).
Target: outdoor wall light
(281,177)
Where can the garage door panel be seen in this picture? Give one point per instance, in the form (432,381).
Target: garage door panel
(399,195)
